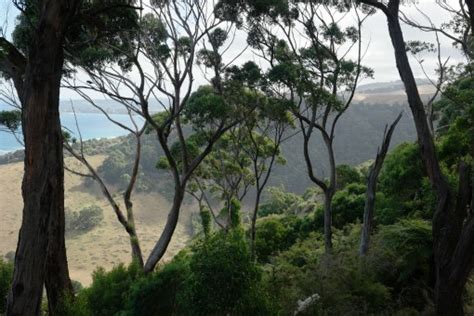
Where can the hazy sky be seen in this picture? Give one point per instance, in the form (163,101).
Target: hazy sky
(379,55)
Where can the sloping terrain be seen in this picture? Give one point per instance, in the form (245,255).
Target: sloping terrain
(105,245)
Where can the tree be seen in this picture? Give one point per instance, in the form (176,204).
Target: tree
(317,77)
(127,220)
(41,253)
(374,172)
(169,40)
(35,63)
(453,226)
(246,155)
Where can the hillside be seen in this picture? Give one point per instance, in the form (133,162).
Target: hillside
(359,134)
(104,246)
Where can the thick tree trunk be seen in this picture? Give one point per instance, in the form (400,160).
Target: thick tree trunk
(57,281)
(160,247)
(41,251)
(374,172)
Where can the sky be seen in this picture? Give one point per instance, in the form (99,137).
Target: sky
(379,55)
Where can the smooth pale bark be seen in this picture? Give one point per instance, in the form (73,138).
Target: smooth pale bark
(41,254)
(453,226)
(370,195)
(161,246)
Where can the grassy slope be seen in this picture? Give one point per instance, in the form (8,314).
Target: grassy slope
(106,245)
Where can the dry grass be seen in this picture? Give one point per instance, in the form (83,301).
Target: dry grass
(105,246)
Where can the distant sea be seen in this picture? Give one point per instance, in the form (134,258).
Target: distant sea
(92,125)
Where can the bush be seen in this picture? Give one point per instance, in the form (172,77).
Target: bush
(346,175)
(161,293)
(224,278)
(84,220)
(275,233)
(279,202)
(6,275)
(343,284)
(400,254)
(110,291)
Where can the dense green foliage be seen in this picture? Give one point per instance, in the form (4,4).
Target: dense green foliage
(6,274)
(84,220)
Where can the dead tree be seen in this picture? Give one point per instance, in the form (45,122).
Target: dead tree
(370,195)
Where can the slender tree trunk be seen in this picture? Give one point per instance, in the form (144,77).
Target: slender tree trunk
(328,195)
(132,232)
(470,9)
(160,247)
(374,172)
(41,249)
(254,222)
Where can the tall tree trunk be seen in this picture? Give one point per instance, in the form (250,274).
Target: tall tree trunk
(328,195)
(160,247)
(254,222)
(372,188)
(57,281)
(41,250)
(453,227)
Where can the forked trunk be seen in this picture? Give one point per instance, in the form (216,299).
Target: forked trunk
(371,191)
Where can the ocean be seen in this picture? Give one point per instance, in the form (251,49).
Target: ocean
(92,125)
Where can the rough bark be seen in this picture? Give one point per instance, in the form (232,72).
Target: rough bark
(453,233)
(374,172)
(41,252)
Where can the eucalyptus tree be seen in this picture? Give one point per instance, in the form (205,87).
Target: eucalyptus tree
(245,156)
(453,224)
(47,33)
(160,68)
(36,75)
(125,217)
(309,52)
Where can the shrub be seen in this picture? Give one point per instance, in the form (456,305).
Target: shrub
(342,283)
(275,233)
(161,293)
(224,278)
(279,202)
(400,254)
(84,220)
(346,175)
(110,291)
(6,274)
